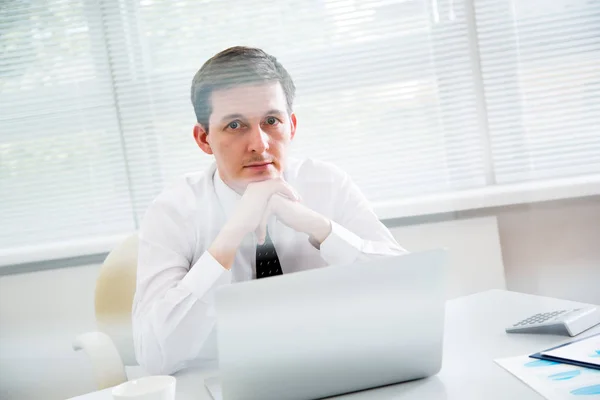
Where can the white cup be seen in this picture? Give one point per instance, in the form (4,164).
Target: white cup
(160,387)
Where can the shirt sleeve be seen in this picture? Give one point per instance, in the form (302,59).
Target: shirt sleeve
(173,310)
(356,232)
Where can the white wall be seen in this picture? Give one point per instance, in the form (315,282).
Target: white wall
(551,249)
(474,253)
(40,314)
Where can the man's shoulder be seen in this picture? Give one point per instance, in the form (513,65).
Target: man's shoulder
(186,191)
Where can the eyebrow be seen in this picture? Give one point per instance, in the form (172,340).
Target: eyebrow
(229,117)
(275,111)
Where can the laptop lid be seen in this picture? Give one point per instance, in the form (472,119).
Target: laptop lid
(332,330)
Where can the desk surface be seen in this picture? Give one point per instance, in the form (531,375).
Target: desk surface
(474,336)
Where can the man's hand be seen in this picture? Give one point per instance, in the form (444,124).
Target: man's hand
(298,217)
(249,211)
(248,216)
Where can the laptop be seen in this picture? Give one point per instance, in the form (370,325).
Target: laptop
(331,330)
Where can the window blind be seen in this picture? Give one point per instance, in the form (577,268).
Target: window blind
(384,87)
(412,98)
(540,62)
(62,168)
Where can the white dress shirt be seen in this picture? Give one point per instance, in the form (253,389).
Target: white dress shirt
(173,310)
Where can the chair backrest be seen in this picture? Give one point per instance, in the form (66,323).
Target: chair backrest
(115,288)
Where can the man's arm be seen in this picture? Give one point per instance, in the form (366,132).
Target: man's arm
(354,234)
(173,312)
(357,233)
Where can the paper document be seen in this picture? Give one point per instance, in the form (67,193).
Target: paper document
(586,350)
(553,380)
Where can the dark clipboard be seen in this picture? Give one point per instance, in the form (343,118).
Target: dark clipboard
(540,356)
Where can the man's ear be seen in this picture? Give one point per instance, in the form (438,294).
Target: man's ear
(294,122)
(201,138)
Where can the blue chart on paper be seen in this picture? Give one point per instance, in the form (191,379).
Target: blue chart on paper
(571,376)
(586,391)
(540,363)
(563,376)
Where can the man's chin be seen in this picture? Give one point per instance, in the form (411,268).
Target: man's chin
(246,179)
(261,177)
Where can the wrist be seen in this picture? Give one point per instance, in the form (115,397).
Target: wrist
(232,234)
(225,245)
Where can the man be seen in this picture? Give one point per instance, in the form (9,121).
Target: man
(255,213)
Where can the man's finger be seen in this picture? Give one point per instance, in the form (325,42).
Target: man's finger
(286,189)
(261,230)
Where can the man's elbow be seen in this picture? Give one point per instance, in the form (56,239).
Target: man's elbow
(152,358)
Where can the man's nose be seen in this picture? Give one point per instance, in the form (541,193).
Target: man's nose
(259,140)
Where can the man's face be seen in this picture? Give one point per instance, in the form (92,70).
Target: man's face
(249,133)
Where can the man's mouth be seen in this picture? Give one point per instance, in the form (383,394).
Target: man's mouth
(258,164)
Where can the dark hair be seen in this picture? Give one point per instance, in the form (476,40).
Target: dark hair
(234,67)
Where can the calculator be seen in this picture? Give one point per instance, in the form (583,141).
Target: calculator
(560,322)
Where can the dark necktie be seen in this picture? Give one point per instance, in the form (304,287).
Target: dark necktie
(267,262)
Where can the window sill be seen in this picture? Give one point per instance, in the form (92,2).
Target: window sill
(60,250)
(496,196)
(492,196)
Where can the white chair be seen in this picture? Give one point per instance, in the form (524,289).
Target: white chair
(110,348)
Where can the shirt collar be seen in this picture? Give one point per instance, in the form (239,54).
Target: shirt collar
(227,197)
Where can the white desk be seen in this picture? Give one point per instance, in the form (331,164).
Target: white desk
(474,337)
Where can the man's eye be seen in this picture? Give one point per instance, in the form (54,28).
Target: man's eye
(272,121)
(234,125)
